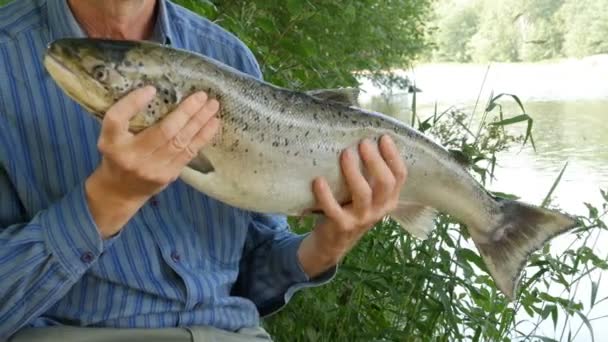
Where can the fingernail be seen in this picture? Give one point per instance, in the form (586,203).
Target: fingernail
(149,90)
(201,96)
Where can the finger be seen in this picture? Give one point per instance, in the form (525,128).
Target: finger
(202,138)
(162,132)
(326,200)
(384,181)
(184,138)
(356,182)
(391,156)
(116,119)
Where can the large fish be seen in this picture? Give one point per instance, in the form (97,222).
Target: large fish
(273,142)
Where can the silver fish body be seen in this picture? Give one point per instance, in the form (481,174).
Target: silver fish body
(273,142)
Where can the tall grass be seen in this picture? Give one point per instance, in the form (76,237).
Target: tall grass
(392,287)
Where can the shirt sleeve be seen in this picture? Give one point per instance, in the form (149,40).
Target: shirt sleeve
(42,257)
(270,271)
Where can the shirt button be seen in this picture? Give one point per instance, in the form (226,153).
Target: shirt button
(175,256)
(87,257)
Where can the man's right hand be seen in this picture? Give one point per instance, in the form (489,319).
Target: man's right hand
(136,167)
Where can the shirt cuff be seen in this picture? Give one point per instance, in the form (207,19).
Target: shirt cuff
(71,233)
(293,273)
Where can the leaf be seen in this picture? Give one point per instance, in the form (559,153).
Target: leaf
(594,287)
(469,255)
(587,323)
(513,120)
(555,183)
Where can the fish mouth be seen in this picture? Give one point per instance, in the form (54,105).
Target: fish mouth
(75,82)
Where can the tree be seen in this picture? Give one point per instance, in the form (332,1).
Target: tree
(541,36)
(585,25)
(456,22)
(498,38)
(321,44)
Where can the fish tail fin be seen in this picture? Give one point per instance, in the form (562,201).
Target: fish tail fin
(520,230)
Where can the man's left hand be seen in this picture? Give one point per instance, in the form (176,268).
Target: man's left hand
(333,238)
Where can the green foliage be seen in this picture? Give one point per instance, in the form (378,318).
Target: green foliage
(585,27)
(497,38)
(321,44)
(519,30)
(457,23)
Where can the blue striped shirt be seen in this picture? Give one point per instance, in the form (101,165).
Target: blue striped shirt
(183,260)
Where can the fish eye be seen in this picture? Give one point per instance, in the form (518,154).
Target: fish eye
(100,73)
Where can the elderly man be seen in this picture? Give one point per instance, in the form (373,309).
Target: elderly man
(99,241)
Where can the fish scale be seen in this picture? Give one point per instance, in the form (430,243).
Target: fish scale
(273,142)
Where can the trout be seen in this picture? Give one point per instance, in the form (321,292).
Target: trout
(274,141)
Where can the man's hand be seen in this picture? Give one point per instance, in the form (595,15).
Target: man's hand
(333,238)
(136,167)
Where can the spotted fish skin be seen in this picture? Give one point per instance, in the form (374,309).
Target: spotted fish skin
(273,142)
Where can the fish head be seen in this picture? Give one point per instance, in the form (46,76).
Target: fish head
(96,73)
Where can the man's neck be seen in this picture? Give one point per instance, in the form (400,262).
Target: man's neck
(115,19)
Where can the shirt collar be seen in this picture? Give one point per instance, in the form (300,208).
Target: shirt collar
(63,24)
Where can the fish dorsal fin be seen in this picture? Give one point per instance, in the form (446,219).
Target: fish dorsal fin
(461,158)
(201,164)
(417,219)
(345,96)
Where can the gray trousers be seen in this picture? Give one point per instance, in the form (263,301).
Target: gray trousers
(194,334)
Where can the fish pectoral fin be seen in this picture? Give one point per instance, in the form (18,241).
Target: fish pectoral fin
(417,219)
(201,164)
(345,96)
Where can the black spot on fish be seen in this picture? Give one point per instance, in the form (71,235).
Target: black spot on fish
(307,132)
(275,144)
(286,142)
(141,64)
(245,127)
(192,88)
(166,101)
(315,116)
(255,172)
(246,150)
(296,154)
(354,122)
(311,150)
(314,162)
(288,151)
(290,126)
(268,119)
(278,127)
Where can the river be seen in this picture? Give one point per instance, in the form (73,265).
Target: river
(568,100)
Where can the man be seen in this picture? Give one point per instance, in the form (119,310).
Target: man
(97,231)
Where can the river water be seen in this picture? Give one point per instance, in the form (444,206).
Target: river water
(568,100)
